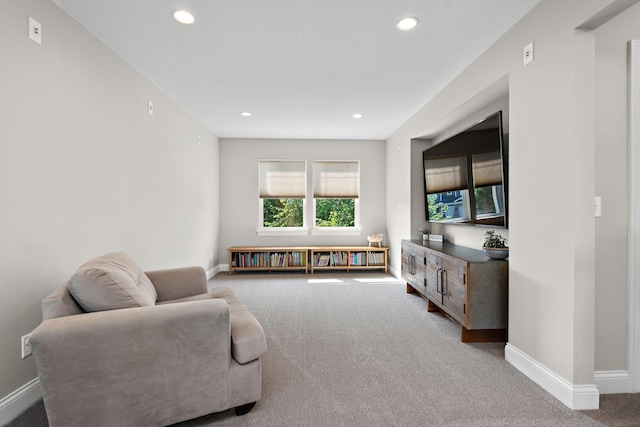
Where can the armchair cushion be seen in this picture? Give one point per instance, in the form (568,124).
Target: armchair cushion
(177,283)
(111,282)
(248,340)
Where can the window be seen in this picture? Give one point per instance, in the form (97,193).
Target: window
(449,198)
(336,190)
(282,196)
(487,183)
(448,206)
(446,184)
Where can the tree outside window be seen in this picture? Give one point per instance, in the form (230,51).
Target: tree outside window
(283,212)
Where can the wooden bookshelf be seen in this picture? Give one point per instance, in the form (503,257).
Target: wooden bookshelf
(307,258)
(348,258)
(263,258)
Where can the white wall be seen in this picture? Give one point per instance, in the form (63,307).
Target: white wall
(553,104)
(611,166)
(239,188)
(84,170)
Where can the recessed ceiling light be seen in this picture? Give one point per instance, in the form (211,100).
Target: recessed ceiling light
(406,24)
(357,116)
(246,114)
(183,16)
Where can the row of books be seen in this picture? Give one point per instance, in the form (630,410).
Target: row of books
(376,258)
(269,259)
(321,260)
(355,259)
(358,258)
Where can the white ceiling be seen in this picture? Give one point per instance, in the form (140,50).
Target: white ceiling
(301,67)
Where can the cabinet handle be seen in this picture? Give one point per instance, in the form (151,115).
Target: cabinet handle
(440,284)
(443,281)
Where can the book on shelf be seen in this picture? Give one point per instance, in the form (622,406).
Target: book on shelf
(376,258)
(339,258)
(357,258)
(296,259)
(322,260)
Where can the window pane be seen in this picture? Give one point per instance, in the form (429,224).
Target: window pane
(489,201)
(335,212)
(282,212)
(446,206)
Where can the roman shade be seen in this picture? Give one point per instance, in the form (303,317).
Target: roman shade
(336,179)
(445,174)
(282,179)
(487,169)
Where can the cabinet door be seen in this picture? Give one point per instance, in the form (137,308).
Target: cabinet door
(407,264)
(413,266)
(433,277)
(420,272)
(454,292)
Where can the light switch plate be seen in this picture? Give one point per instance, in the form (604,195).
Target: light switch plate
(528,54)
(25,345)
(35,31)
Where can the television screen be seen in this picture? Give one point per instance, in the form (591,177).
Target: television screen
(465,176)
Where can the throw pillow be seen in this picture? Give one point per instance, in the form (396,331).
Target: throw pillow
(111,282)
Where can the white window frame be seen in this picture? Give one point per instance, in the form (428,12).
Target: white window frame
(283,231)
(337,231)
(307,227)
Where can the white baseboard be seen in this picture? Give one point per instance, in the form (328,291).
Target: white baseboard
(224,267)
(611,382)
(578,397)
(395,272)
(213,272)
(17,402)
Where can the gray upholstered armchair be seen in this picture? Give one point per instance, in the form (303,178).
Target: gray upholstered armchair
(118,347)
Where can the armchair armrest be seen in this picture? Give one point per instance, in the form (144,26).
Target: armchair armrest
(178,283)
(151,364)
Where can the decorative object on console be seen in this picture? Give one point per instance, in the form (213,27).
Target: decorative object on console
(495,246)
(375,239)
(436,237)
(425,234)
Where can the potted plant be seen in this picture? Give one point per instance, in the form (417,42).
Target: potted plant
(425,234)
(495,246)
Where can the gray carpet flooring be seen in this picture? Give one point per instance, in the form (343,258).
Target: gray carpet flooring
(355,349)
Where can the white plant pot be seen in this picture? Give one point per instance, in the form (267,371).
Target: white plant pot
(496,253)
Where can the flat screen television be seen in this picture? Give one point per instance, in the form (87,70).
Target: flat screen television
(466,175)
